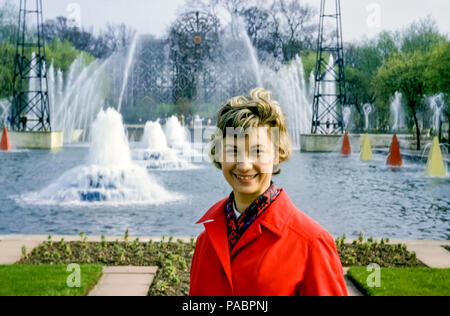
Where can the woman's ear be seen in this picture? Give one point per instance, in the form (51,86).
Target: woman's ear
(276,170)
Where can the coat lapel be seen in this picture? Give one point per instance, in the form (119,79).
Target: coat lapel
(216,228)
(271,219)
(253,232)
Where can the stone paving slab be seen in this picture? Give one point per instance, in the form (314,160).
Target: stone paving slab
(124,281)
(351,288)
(69,238)
(130,270)
(432,256)
(11,250)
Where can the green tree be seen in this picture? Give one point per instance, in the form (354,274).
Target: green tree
(386,44)
(362,63)
(403,72)
(437,75)
(421,36)
(7,53)
(309,61)
(8,21)
(63,54)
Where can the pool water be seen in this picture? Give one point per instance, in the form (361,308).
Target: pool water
(344,195)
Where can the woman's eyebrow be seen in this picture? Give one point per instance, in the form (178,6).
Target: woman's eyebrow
(258,145)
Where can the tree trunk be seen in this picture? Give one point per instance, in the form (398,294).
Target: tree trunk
(417,125)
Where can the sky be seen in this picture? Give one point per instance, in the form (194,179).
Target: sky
(359,17)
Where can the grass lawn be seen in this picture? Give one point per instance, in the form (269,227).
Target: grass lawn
(174,257)
(404,281)
(45,280)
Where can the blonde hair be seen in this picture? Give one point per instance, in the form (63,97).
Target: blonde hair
(254,110)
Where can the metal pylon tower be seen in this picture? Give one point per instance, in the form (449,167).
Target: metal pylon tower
(329,88)
(30,110)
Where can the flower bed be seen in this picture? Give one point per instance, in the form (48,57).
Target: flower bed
(362,252)
(173,257)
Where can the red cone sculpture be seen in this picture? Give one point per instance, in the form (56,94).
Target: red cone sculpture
(394,158)
(346,150)
(4,144)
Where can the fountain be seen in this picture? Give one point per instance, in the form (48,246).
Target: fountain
(290,89)
(436,105)
(4,112)
(397,113)
(241,70)
(127,68)
(154,152)
(109,175)
(367,108)
(252,53)
(77,98)
(347,112)
(178,139)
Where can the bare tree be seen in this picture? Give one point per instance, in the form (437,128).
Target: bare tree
(118,36)
(297,25)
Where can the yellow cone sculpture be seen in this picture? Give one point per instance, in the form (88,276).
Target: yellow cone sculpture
(435,164)
(366,152)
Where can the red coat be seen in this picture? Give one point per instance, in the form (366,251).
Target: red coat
(283,253)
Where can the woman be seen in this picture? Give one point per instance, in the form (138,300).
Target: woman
(256,242)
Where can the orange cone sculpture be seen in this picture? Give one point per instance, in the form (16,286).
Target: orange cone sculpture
(4,144)
(394,158)
(346,149)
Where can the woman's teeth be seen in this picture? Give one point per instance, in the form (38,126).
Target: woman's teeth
(245,178)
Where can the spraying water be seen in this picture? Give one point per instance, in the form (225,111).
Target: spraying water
(75,101)
(289,87)
(154,151)
(397,112)
(367,108)
(436,105)
(127,69)
(4,111)
(109,175)
(347,112)
(252,53)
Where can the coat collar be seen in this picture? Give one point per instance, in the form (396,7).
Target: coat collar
(275,219)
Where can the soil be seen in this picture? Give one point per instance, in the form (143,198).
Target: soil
(173,257)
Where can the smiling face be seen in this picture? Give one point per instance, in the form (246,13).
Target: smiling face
(248,163)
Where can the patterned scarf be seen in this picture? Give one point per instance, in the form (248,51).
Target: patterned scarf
(237,227)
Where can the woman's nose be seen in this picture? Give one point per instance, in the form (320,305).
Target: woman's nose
(244,163)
